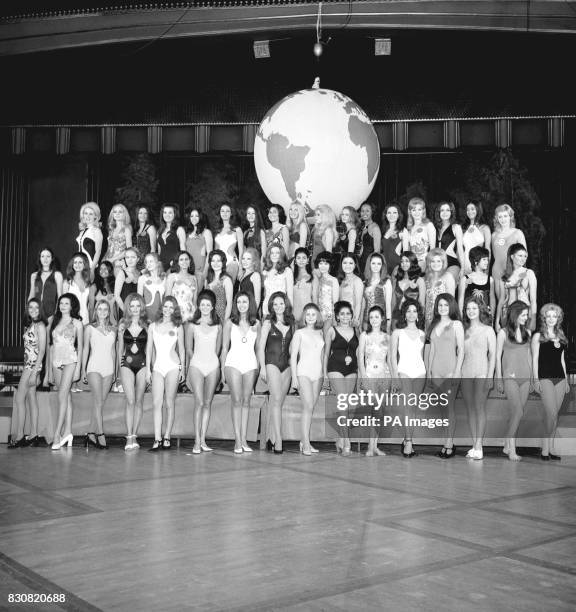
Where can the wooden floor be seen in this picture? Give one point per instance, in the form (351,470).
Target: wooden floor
(175,531)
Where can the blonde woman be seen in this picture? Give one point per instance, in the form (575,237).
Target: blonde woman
(90,238)
(297,228)
(504,236)
(324,232)
(437,280)
(420,233)
(119,235)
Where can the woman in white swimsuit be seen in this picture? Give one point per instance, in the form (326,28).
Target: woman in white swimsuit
(230,240)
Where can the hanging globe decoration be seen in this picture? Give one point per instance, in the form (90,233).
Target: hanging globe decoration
(317,146)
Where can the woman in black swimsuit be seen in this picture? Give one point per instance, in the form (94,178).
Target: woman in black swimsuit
(340,362)
(132,339)
(274,359)
(145,232)
(449,236)
(171,237)
(549,370)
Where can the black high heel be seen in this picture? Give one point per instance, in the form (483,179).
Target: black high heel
(88,440)
(269,446)
(157,446)
(99,444)
(18,443)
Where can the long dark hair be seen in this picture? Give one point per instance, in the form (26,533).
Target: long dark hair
(282,262)
(386,223)
(414,271)
(438,220)
(233,218)
(176,267)
(210,274)
(27,320)
(175,224)
(514,248)
(53,263)
(288,315)
(202,221)
(74,311)
(149,212)
(104,286)
(479,215)
(251,315)
(512,315)
(206,294)
(379,309)
(401,322)
(308,266)
(453,311)
(356,271)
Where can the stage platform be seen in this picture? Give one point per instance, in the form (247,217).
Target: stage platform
(220,427)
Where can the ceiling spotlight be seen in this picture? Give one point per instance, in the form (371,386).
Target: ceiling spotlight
(318,49)
(383,46)
(261,48)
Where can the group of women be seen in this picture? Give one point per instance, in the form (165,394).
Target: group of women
(351,302)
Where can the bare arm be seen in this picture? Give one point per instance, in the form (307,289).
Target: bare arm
(335,291)
(228,289)
(393,354)
(327,346)
(262,348)
(457,230)
(118,284)
(500,306)
(491,358)
(149,348)
(128,233)
(285,238)
(421,291)
(240,240)
(450,284)
(32,289)
(431,230)
(169,283)
(362,355)
(294,350)
(181,353)
(80,337)
(225,346)
(59,282)
(377,237)
(98,240)
(532,285)
(461,292)
(257,284)
(459,332)
(388,302)
(86,351)
(303,231)
(153,235)
(181,235)
(352,240)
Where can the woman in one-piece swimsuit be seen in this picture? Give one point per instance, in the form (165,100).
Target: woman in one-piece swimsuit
(203,346)
(132,341)
(514,370)
(98,365)
(230,240)
(445,358)
(145,231)
(239,363)
(340,361)
(166,371)
(171,236)
(90,238)
(549,367)
(406,362)
(274,359)
(152,285)
(199,242)
(306,364)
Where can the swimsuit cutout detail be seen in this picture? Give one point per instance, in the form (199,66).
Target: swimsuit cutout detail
(185,295)
(375,352)
(516,361)
(134,357)
(419,243)
(475,364)
(310,362)
(30,347)
(46,293)
(447,242)
(165,344)
(168,249)
(242,356)
(550,360)
(64,352)
(411,363)
(204,357)
(277,351)
(101,353)
(87,245)
(342,357)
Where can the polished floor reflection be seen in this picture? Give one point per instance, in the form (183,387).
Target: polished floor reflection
(174,531)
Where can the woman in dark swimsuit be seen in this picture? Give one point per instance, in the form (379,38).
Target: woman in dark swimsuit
(449,236)
(392,228)
(408,283)
(171,237)
(274,359)
(145,231)
(132,339)
(370,237)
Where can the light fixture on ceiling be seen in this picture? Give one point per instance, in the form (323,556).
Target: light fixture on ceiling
(383,46)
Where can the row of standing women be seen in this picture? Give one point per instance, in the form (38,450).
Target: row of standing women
(165,352)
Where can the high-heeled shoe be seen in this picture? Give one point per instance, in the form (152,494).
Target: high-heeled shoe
(446,453)
(269,446)
(346,451)
(305,451)
(339,445)
(313,450)
(99,444)
(88,441)
(278,451)
(205,449)
(247,449)
(18,443)
(129,445)
(166,444)
(65,441)
(238,450)
(157,446)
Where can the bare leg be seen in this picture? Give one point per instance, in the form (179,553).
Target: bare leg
(517,397)
(129,386)
(248,381)
(171,388)
(20,405)
(33,411)
(480,397)
(234,380)
(157,402)
(309,393)
(343,385)
(552,398)
(279,385)
(63,378)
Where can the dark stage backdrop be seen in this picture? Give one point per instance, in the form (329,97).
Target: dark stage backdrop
(53,189)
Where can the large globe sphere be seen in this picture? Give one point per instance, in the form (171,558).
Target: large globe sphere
(317,146)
